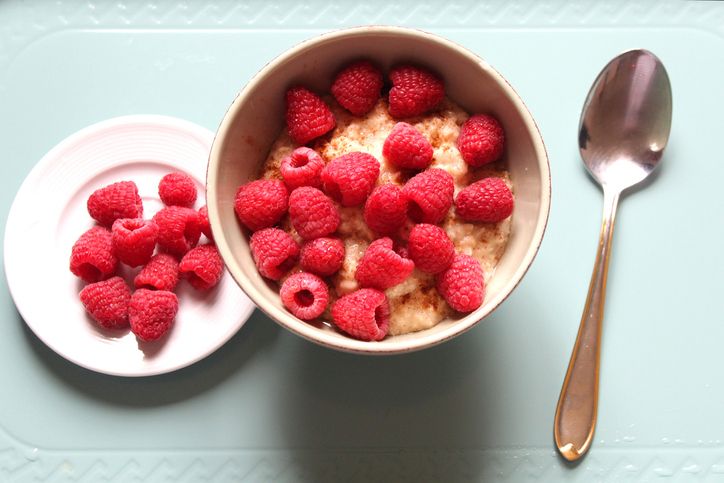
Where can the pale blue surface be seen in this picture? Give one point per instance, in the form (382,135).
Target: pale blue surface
(269,405)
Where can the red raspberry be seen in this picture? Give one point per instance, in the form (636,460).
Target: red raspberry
(274,251)
(305,295)
(91,257)
(357,87)
(117,200)
(406,148)
(302,168)
(161,273)
(322,256)
(204,222)
(364,314)
(261,203)
(481,140)
(415,91)
(179,229)
(177,189)
(462,285)
(430,248)
(381,267)
(430,195)
(312,213)
(202,267)
(386,209)
(488,200)
(151,313)
(134,240)
(349,178)
(107,302)
(308,117)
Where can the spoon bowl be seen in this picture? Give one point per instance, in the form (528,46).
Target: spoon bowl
(624,129)
(626,119)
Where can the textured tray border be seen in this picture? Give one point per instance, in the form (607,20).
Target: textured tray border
(22,462)
(43,17)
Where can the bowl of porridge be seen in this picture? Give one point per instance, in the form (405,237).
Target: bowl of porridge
(322,149)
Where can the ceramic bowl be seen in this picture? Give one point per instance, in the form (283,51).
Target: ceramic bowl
(256,117)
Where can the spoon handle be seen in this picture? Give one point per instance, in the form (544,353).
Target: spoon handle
(577,406)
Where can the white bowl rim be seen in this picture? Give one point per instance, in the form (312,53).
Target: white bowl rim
(425,338)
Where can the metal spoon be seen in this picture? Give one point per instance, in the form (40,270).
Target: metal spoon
(625,125)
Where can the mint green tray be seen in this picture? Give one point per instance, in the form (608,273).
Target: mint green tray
(270,406)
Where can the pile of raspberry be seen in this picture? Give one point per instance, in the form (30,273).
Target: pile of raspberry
(312,189)
(122,235)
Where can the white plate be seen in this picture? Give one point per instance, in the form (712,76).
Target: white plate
(49,214)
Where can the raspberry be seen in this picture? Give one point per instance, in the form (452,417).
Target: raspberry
(177,189)
(481,140)
(322,256)
(430,248)
(402,251)
(274,251)
(151,313)
(462,285)
(204,222)
(261,203)
(312,213)
(415,91)
(357,87)
(488,200)
(381,267)
(430,195)
(107,302)
(386,209)
(305,295)
(202,267)
(179,229)
(161,273)
(364,314)
(349,178)
(91,257)
(302,168)
(134,240)
(117,200)
(406,148)
(308,117)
